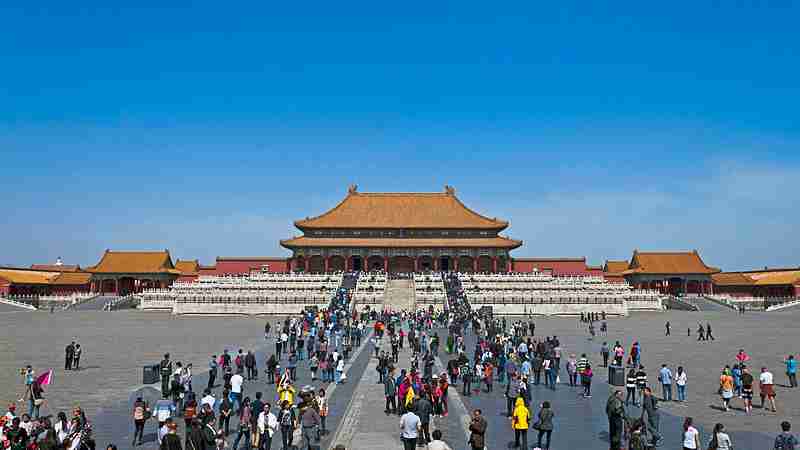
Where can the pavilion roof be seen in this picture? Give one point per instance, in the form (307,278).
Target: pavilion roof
(135,263)
(27,276)
(668,263)
(72,278)
(758,278)
(495,242)
(187,267)
(615,267)
(402,211)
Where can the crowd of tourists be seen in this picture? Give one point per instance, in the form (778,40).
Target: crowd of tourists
(219,414)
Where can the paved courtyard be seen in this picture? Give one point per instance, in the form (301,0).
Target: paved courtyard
(581,423)
(118,344)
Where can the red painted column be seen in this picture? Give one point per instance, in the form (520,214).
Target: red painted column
(386,264)
(305,266)
(494,264)
(455,264)
(475,265)
(416,265)
(327,264)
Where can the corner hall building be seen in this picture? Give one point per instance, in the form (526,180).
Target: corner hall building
(401,233)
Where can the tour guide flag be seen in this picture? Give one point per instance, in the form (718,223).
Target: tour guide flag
(409,397)
(45,378)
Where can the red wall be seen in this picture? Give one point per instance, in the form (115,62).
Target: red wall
(244,266)
(5,286)
(554,266)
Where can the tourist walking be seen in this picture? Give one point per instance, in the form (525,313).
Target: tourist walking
(691,437)
(747,390)
(288,422)
(519,423)
(630,387)
(424,408)
(267,426)
(140,414)
(615,410)
(720,439)
(650,411)
(245,419)
(767,388)
(726,388)
(680,383)
(544,424)
(410,426)
(477,429)
(309,423)
(665,377)
(322,405)
(791,370)
(586,379)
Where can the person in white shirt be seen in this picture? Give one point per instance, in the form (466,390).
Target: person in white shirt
(236,392)
(767,388)
(267,425)
(208,399)
(680,382)
(437,443)
(691,437)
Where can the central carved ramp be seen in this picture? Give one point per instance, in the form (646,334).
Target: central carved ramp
(399,295)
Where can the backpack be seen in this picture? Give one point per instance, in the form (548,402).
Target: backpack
(785,442)
(286,419)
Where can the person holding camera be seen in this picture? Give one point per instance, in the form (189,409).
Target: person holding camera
(477,428)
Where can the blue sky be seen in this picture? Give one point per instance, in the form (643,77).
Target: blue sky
(207,129)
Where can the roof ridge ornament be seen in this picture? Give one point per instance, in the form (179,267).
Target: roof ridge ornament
(449,190)
(352,189)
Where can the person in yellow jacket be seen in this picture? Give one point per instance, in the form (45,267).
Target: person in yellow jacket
(519,422)
(286,392)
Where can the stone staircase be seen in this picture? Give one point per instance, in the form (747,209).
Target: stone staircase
(399,295)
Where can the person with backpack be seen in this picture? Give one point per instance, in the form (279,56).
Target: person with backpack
(141,413)
(785,440)
(288,423)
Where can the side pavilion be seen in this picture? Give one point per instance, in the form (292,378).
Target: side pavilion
(123,273)
(670,272)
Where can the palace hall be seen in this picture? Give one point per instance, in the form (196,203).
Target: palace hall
(401,232)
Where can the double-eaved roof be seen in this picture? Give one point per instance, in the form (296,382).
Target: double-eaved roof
(493,242)
(431,210)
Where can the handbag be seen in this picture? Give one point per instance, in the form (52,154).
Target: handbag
(38,402)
